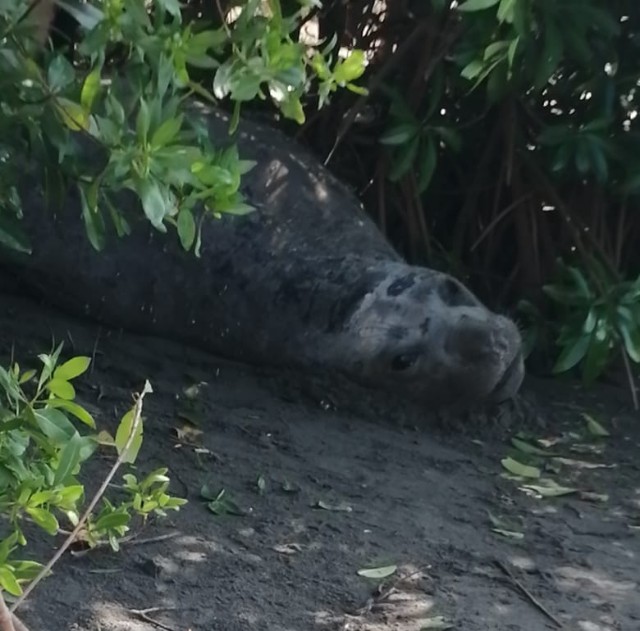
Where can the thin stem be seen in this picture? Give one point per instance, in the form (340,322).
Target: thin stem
(632,383)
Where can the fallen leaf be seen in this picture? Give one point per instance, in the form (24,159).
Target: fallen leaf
(590,496)
(548,442)
(193,392)
(593,427)
(378,572)
(583,464)
(586,449)
(519,469)
(527,448)
(549,488)
(288,548)
(437,622)
(512,534)
(503,527)
(288,487)
(341,507)
(188,433)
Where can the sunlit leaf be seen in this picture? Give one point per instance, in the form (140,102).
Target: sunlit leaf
(519,469)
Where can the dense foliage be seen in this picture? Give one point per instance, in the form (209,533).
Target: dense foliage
(120,91)
(496,137)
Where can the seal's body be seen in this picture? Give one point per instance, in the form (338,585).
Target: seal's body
(307,280)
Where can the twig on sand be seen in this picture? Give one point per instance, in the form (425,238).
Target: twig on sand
(143,614)
(532,599)
(133,540)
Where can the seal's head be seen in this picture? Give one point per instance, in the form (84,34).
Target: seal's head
(425,333)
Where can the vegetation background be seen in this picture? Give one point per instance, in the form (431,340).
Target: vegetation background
(493,139)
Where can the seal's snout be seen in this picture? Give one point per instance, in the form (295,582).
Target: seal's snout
(471,340)
(488,347)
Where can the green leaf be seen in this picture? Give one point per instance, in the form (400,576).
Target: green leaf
(167,132)
(90,89)
(122,436)
(496,50)
(511,534)
(205,40)
(172,7)
(341,507)
(472,69)
(238,208)
(72,368)
(8,581)
(69,459)
(153,203)
(593,427)
(631,338)
(12,235)
(550,489)
(378,573)
(44,519)
(72,114)
(112,520)
(223,505)
(477,5)
(506,10)
(73,408)
(350,69)
(186,228)
(399,134)
(60,74)
(426,165)
(551,54)
(27,570)
(403,160)
(245,85)
(436,623)
(143,120)
(93,221)
(527,448)
(54,425)
(511,53)
(597,356)
(572,354)
(86,15)
(519,469)
(292,109)
(61,389)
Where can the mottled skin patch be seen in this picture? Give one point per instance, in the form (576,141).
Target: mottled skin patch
(398,287)
(306,281)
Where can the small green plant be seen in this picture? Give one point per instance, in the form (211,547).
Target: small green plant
(42,453)
(414,142)
(600,315)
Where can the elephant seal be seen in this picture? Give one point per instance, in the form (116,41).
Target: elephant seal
(306,281)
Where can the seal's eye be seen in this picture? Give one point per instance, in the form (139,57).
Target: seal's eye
(404,361)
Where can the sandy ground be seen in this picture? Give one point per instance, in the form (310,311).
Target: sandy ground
(343,492)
